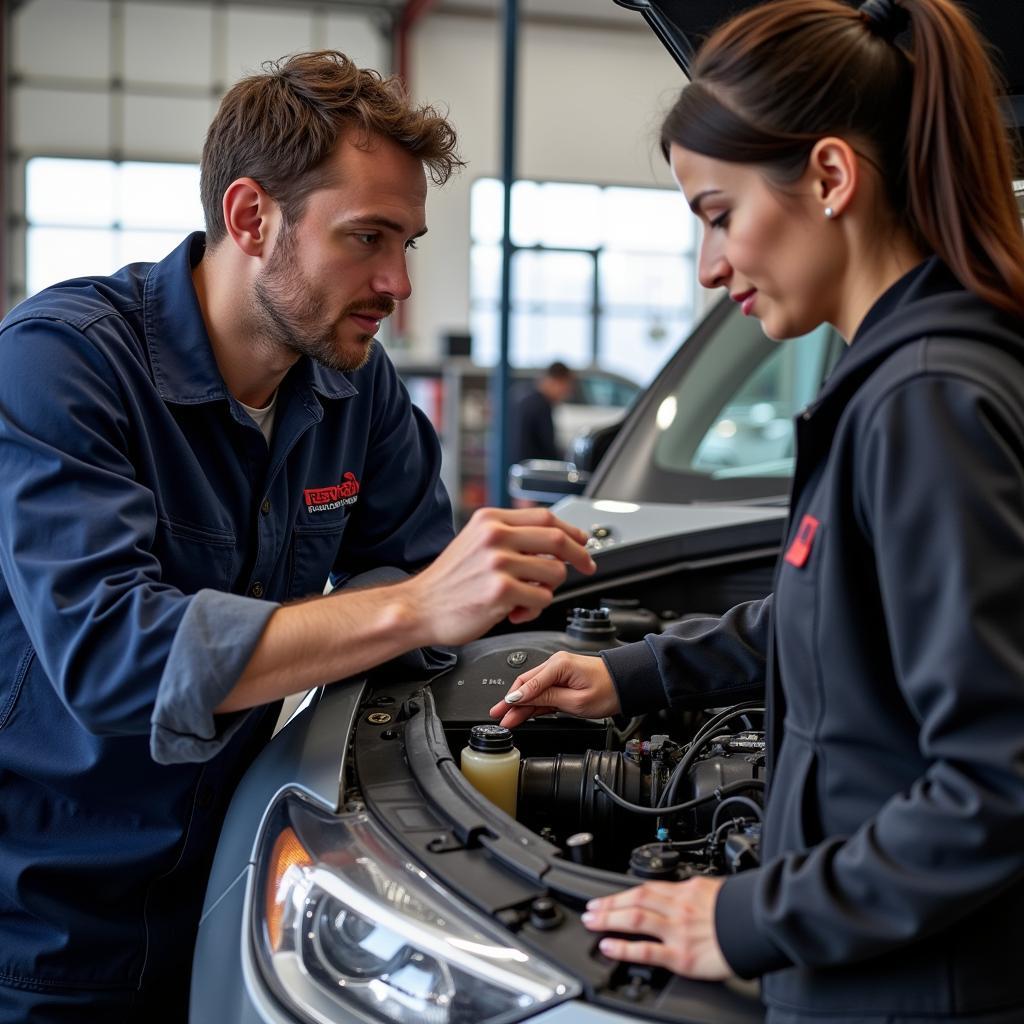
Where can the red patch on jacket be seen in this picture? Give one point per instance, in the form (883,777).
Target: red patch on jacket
(800,550)
(317,498)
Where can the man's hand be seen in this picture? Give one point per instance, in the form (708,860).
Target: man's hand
(681,915)
(576,683)
(504,562)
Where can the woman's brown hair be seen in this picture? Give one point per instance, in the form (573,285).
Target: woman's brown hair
(279,127)
(774,80)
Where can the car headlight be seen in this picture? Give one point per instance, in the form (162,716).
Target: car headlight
(345,922)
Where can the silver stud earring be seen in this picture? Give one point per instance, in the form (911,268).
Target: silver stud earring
(829,212)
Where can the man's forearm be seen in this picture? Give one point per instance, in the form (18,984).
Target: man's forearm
(325,639)
(503,563)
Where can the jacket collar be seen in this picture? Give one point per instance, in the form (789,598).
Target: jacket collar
(184,369)
(928,301)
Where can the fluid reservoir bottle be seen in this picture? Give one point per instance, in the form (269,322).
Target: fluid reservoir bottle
(491,764)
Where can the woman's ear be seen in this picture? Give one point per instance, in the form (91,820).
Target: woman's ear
(834,173)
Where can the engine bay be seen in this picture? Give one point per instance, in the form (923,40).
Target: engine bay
(661,797)
(599,803)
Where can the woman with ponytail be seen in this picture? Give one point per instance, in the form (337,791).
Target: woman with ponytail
(850,166)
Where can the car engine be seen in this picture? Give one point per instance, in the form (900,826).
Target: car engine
(661,797)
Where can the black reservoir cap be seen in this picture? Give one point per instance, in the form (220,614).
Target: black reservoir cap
(490,739)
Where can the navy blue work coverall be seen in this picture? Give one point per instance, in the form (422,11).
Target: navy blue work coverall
(146,534)
(892,885)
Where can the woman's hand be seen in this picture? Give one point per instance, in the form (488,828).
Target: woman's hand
(680,915)
(576,683)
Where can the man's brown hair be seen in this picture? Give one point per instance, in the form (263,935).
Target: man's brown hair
(278,128)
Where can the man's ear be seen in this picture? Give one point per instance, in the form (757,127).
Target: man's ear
(249,216)
(834,171)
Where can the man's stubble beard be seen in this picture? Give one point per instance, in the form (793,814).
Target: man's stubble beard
(286,312)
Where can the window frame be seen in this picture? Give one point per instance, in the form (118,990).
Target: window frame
(111,224)
(599,310)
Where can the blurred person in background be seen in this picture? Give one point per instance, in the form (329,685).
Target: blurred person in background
(532,419)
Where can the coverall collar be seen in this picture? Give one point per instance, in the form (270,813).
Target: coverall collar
(184,368)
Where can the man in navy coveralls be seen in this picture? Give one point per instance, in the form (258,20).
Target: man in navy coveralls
(187,449)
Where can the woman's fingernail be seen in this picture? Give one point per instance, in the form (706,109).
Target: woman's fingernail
(606,946)
(593,904)
(514,697)
(588,918)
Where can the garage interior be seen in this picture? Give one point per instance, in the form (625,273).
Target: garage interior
(592,262)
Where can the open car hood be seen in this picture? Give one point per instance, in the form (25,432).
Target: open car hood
(682,24)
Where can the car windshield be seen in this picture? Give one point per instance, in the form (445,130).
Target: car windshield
(717,424)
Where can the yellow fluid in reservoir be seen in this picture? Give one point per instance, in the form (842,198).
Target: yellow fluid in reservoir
(496,775)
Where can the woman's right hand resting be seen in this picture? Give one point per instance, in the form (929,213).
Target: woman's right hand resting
(576,683)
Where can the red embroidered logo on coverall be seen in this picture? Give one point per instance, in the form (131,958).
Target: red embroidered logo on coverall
(324,499)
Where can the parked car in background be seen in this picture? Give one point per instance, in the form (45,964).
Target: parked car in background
(599,398)
(456,397)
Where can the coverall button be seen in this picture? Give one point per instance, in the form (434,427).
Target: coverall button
(265,507)
(256,589)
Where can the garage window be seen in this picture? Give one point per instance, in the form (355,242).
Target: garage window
(94,216)
(601,275)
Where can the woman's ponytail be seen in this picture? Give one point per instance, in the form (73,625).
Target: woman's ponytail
(959,164)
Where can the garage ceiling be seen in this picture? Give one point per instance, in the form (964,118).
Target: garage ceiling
(593,12)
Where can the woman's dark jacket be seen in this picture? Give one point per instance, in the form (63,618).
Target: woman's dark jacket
(892,650)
